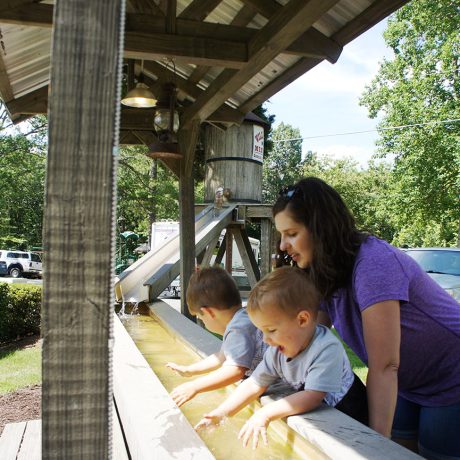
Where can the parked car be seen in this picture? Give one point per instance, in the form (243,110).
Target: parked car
(442,264)
(21,263)
(3,268)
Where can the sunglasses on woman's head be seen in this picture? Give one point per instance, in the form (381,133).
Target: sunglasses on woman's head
(288,192)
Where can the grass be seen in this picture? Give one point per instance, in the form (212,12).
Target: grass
(359,368)
(19,369)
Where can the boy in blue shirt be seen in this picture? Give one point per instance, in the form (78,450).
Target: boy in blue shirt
(213,296)
(304,354)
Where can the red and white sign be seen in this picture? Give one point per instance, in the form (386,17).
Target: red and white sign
(258,143)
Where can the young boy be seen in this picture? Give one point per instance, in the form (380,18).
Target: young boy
(284,306)
(213,297)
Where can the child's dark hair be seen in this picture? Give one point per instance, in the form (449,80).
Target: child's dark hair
(289,288)
(212,287)
(335,237)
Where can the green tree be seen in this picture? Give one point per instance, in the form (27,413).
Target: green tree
(365,191)
(282,166)
(420,87)
(22,179)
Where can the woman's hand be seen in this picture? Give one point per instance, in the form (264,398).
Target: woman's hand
(184,393)
(256,426)
(213,419)
(179,369)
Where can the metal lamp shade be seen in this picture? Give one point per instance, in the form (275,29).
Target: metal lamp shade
(140,97)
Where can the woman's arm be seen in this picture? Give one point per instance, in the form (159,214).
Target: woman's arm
(382,338)
(208,364)
(221,377)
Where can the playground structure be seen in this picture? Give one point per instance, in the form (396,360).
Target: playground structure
(225,59)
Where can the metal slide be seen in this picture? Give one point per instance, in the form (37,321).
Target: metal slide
(153,273)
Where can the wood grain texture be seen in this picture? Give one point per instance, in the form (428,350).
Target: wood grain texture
(78,278)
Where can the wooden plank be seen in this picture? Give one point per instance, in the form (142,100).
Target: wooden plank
(31,447)
(79,215)
(247,256)
(35,102)
(266,246)
(312,43)
(154,426)
(199,9)
(194,50)
(187,145)
(11,439)
(206,259)
(282,29)
(144,6)
(31,14)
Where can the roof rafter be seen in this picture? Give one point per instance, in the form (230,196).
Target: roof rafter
(199,9)
(283,28)
(373,14)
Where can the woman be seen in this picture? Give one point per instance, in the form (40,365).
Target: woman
(401,323)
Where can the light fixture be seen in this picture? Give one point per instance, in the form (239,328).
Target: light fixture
(140,97)
(166,125)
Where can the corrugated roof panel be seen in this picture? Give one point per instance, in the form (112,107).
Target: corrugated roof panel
(26,55)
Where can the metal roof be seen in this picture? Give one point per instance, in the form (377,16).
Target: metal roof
(218,53)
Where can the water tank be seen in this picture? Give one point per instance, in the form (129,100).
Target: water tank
(234,160)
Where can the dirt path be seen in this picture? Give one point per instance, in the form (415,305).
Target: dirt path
(21,405)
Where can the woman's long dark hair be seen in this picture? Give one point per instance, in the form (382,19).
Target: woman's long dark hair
(335,238)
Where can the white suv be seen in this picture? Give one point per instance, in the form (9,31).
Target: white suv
(21,263)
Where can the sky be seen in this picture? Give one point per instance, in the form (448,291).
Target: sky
(325,100)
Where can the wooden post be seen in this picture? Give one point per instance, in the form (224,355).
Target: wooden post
(187,145)
(79,218)
(247,256)
(266,246)
(228,250)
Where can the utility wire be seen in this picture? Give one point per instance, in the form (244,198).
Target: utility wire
(389,128)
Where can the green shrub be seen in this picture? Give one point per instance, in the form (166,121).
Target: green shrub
(19,310)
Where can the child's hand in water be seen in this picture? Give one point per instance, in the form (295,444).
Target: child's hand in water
(183,393)
(210,420)
(256,426)
(179,369)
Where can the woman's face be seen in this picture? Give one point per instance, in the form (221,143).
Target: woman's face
(295,239)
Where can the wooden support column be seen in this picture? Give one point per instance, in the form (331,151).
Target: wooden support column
(228,250)
(187,144)
(266,246)
(78,305)
(247,256)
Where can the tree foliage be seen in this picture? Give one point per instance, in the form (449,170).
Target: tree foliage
(420,86)
(22,181)
(282,165)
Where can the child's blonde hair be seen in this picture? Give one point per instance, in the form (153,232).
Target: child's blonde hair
(212,287)
(289,288)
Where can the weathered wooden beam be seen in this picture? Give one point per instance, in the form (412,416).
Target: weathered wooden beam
(171,11)
(369,17)
(311,44)
(143,6)
(199,9)
(284,27)
(247,256)
(11,4)
(79,215)
(187,145)
(32,14)
(150,36)
(224,114)
(33,103)
(266,246)
(194,50)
